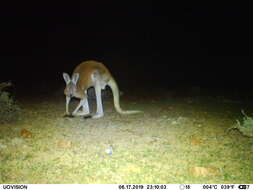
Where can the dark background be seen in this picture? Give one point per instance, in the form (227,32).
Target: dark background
(145,44)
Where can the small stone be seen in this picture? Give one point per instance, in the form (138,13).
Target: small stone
(64,144)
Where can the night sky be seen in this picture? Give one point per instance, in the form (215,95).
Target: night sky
(145,44)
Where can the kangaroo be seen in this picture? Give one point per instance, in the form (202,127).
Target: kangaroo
(91,74)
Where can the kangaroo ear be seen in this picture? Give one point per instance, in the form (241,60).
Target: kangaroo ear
(66,77)
(75,77)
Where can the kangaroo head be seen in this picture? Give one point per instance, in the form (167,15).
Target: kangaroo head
(70,89)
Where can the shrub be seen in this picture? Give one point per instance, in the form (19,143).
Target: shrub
(246,126)
(9,110)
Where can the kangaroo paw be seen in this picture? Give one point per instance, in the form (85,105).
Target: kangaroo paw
(98,115)
(87,116)
(69,115)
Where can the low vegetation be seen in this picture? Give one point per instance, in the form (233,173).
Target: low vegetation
(9,110)
(246,126)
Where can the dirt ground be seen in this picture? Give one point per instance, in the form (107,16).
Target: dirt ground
(175,140)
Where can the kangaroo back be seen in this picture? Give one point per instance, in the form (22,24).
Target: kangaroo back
(86,70)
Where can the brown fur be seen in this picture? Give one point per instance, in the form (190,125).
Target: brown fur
(85,70)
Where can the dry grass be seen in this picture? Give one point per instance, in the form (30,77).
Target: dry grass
(174,141)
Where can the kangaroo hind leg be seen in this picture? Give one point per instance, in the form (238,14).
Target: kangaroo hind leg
(98,85)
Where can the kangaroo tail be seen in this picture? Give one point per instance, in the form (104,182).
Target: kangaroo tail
(115,91)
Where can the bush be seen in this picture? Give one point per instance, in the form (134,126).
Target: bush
(9,110)
(246,126)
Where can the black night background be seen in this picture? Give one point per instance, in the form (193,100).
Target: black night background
(142,44)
